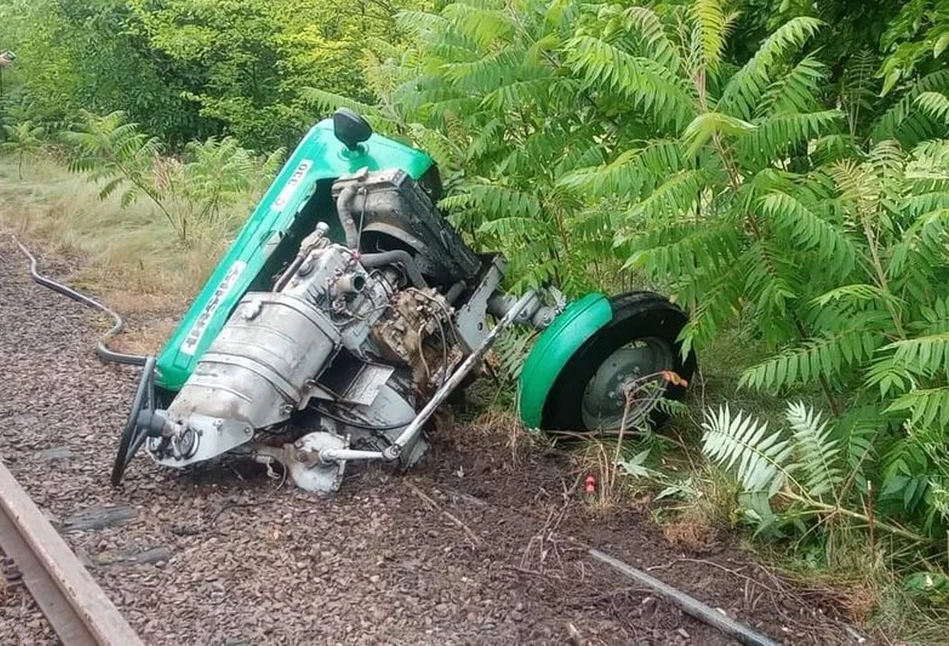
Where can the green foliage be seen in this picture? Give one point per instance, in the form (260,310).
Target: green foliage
(743,444)
(22,139)
(194,192)
(79,54)
(806,471)
(915,39)
(190,69)
(596,143)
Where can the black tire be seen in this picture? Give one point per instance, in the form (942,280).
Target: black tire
(636,315)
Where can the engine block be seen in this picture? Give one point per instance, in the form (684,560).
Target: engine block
(264,364)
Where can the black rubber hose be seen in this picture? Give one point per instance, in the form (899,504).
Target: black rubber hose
(689,605)
(401,256)
(102,349)
(358,424)
(345,212)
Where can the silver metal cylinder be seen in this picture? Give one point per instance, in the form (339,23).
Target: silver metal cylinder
(257,368)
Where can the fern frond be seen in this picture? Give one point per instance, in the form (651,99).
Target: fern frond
(795,91)
(719,305)
(925,406)
(648,25)
(521,93)
(677,195)
(484,26)
(507,226)
(713,26)
(682,248)
(511,349)
(633,172)
(811,232)
(857,432)
(501,201)
(902,121)
(816,452)
(927,355)
(649,86)
(744,90)
(889,375)
(707,124)
(741,443)
(488,73)
(823,356)
(858,292)
(422,24)
(772,282)
(935,318)
(934,104)
(577,157)
(774,137)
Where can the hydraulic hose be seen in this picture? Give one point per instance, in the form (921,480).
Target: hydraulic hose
(102,349)
(401,256)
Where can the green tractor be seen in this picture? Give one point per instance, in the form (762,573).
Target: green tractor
(348,309)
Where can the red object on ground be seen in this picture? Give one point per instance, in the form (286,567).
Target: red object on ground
(590,484)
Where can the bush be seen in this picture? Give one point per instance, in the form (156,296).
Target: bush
(195,193)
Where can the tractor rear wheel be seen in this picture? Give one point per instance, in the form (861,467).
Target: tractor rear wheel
(624,369)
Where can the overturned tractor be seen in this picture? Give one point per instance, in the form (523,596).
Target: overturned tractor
(348,309)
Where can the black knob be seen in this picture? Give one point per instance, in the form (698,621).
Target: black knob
(350,128)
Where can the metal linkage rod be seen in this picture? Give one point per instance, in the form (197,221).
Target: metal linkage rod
(336,455)
(689,605)
(411,431)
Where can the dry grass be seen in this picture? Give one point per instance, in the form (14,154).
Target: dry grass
(693,531)
(130,255)
(506,422)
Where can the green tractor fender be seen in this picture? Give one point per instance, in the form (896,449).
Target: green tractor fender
(573,327)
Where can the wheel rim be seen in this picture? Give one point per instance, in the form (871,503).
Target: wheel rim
(634,368)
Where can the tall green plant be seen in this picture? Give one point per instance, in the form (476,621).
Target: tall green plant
(22,139)
(585,137)
(805,470)
(195,192)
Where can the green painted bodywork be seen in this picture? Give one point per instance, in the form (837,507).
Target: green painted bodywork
(562,338)
(320,156)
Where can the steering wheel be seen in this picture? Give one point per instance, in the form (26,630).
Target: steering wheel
(137,428)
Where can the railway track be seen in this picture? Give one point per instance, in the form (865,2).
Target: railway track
(73,603)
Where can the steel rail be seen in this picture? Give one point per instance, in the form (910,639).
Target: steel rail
(73,603)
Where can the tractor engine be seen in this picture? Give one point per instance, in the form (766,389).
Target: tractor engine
(345,344)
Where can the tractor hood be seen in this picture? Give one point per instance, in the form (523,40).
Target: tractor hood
(318,158)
